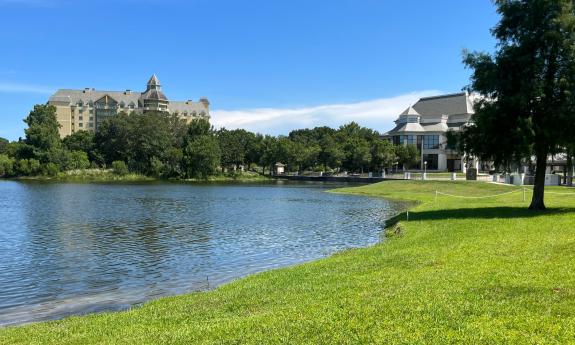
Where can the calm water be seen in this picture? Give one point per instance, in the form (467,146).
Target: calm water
(77,248)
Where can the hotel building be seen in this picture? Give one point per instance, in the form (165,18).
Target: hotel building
(426,124)
(78,110)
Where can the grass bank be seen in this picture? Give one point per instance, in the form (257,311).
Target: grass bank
(473,271)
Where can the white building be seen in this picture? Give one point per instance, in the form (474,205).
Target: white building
(426,124)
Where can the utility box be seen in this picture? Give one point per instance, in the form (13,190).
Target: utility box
(518,179)
(471,174)
(552,180)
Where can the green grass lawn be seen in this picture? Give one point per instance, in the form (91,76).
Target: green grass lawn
(466,271)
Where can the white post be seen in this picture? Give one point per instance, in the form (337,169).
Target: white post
(523,194)
(436,196)
(453,176)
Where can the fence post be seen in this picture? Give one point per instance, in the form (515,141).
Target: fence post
(523,194)
(436,196)
(407,215)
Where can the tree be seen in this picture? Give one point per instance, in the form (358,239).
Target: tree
(528,86)
(42,132)
(330,152)
(82,141)
(382,154)
(201,156)
(234,146)
(3,145)
(407,155)
(6,166)
(113,138)
(269,153)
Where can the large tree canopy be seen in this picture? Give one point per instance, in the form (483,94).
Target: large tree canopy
(528,87)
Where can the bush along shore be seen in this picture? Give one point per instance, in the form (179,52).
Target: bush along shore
(458,271)
(112,175)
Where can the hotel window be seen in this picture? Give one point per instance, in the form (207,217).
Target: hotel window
(80,118)
(91,111)
(80,124)
(81,111)
(430,142)
(91,118)
(91,125)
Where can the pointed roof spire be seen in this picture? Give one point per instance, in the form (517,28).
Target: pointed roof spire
(154,80)
(409,111)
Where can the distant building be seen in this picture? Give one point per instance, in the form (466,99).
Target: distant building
(84,109)
(426,124)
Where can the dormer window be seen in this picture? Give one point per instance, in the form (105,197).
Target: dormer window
(409,119)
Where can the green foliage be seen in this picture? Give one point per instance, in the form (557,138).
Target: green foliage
(3,145)
(50,169)
(42,132)
(120,168)
(164,146)
(382,154)
(528,85)
(6,166)
(201,156)
(83,141)
(408,155)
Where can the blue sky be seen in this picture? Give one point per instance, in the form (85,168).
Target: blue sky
(265,65)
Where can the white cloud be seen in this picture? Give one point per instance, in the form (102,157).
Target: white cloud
(23,88)
(377,114)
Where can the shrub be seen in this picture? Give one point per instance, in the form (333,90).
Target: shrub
(50,169)
(120,168)
(6,166)
(22,167)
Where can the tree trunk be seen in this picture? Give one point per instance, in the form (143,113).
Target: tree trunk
(537,202)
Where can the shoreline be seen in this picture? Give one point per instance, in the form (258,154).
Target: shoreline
(436,261)
(105,176)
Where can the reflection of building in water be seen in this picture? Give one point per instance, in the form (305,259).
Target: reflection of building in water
(84,109)
(426,124)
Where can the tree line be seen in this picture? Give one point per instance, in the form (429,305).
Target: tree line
(161,145)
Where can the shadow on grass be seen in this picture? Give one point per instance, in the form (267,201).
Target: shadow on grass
(487,213)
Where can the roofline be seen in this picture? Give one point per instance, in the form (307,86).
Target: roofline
(444,96)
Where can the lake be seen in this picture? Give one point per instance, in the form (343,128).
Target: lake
(68,249)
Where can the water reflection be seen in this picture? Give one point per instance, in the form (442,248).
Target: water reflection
(77,248)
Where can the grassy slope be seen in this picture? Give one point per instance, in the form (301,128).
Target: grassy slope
(485,271)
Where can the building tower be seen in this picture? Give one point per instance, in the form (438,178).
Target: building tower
(153,99)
